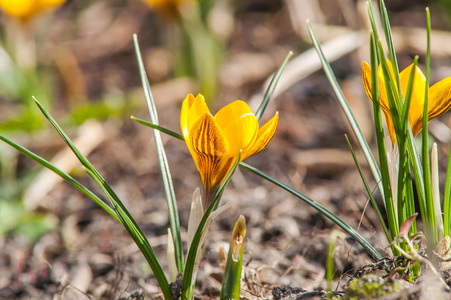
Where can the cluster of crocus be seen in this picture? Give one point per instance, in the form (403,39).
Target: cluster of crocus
(215,142)
(439,96)
(26,9)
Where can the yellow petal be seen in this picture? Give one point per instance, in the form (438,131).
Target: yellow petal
(439,98)
(385,105)
(18,8)
(193,108)
(25,9)
(184,115)
(417,96)
(390,127)
(264,136)
(239,125)
(210,151)
(367,84)
(366,77)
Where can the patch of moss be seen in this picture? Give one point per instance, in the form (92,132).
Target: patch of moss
(370,287)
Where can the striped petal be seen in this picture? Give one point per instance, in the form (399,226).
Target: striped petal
(264,136)
(210,151)
(366,77)
(439,98)
(193,108)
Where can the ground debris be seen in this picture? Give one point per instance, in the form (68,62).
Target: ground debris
(286,292)
(295,293)
(137,295)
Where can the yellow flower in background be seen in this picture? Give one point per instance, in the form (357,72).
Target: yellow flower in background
(25,9)
(216,141)
(439,96)
(169,8)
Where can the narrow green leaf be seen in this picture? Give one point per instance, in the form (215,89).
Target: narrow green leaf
(425,145)
(385,174)
(447,199)
(436,191)
(272,87)
(117,205)
(324,211)
(187,284)
(62,174)
(164,166)
(406,107)
(406,201)
(390,46)
(136,234)
(160,128)
(370,194)
(231,284)
(347,110)
(330,258)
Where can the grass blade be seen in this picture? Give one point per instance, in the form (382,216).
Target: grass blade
(389,41)
(324,211)
(63,175)
(347,110)
(159,128)
(126,219)
(135,232)
(381,147)
(370,194)
(447,199)
(272,87)
(425,144)
(164,166)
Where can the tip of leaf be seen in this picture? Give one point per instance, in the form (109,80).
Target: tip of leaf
(405,227)
(238,235)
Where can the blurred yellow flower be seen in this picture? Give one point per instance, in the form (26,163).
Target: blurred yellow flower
(25,9)
(167,7)
(216,141)
(439,96)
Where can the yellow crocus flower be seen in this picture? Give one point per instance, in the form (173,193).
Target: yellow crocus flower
(25,9)
(169,8)
(216,141)
(439,96)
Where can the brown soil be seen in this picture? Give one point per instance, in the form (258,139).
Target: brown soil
(88,255)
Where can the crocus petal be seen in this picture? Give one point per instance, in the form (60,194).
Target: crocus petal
(193,108)
(385,104)
(439,98)
(390,127)
(239,125)
(264,136)
(25,9)
(216,142)
(366,76)
(417,96)
(210,151)
(367,83)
